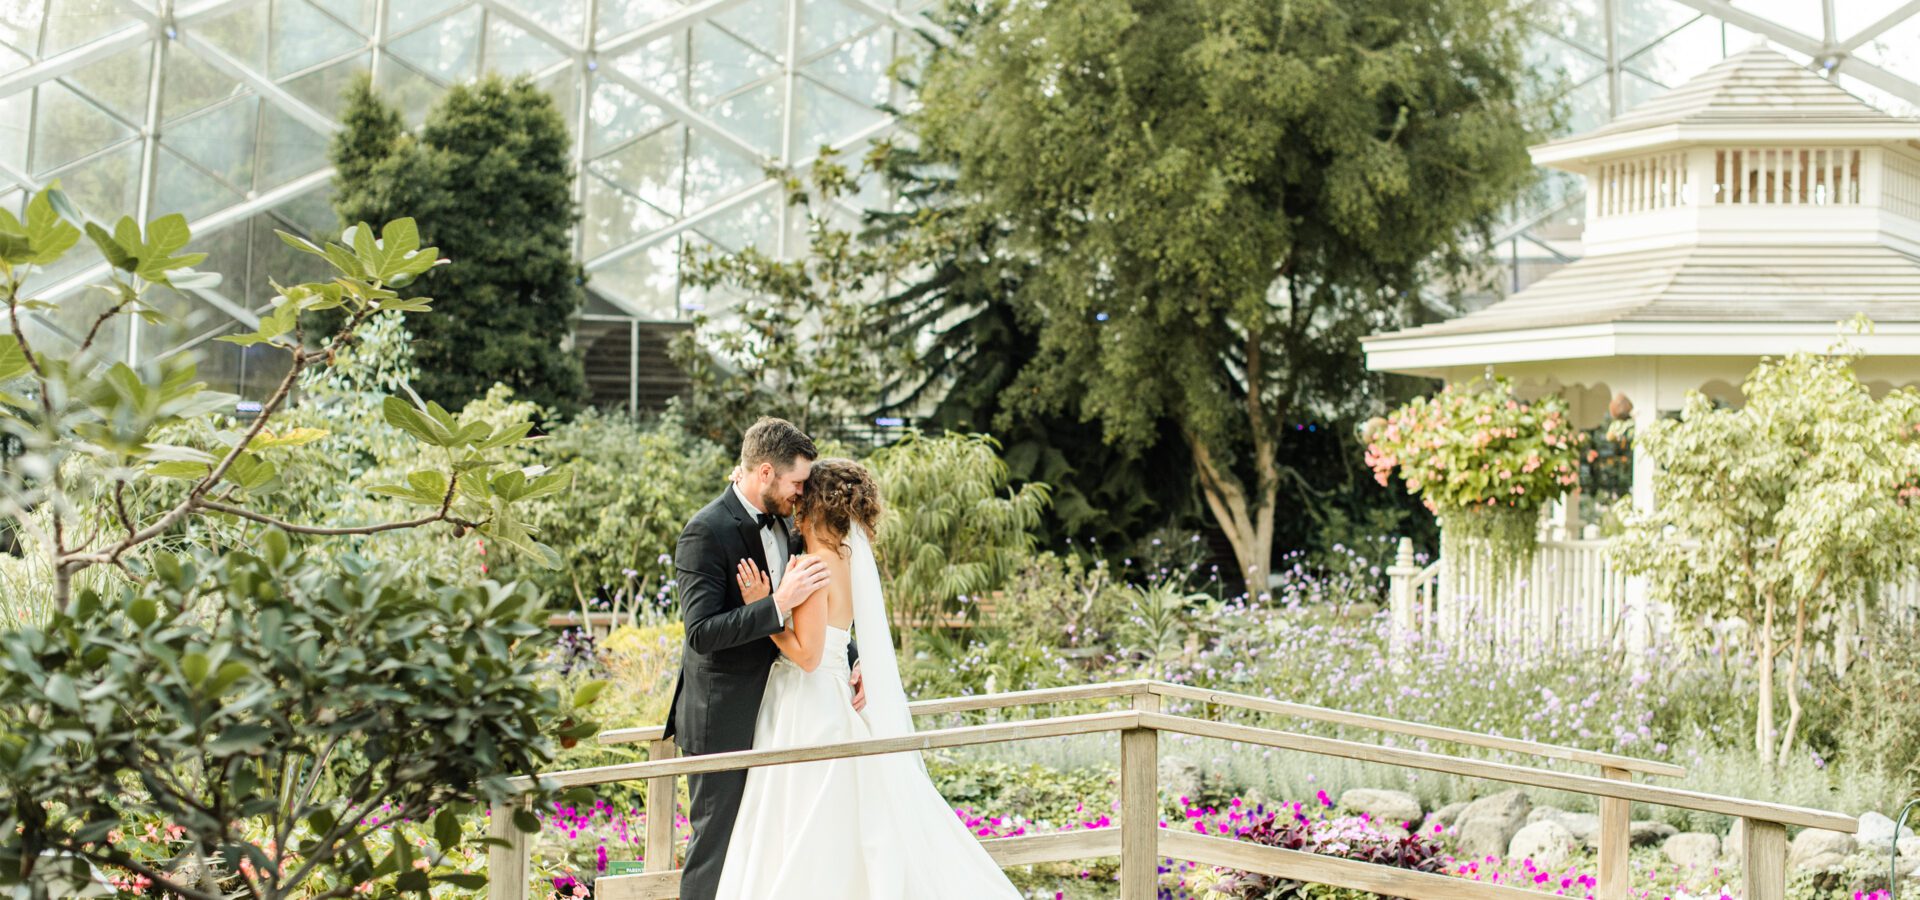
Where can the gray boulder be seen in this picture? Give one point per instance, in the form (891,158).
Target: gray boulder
(1692,849)
(1439,823)
(1646,833)
(1819,850)
(1396,809)
(1876,833)
(1909,846)
(1546,842)
(1584,826)
(1487,826)
(1733,847)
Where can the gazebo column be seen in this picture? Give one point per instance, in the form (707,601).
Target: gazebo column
(1639,611)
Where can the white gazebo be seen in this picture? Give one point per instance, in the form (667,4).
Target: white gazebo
(1741,215)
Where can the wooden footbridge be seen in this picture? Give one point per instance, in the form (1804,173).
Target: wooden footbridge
(1136,713)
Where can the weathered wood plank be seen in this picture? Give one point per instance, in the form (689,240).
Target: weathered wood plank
(509,863)
(1064,846)
(962,736)
(660,802)
(1763,865)
(1347,873)
(1140,807)
(945,705)
(1616,840)
(1511,774)
(1025,850)
(1416,729)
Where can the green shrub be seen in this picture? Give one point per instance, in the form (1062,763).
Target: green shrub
(631,488)
(268,704)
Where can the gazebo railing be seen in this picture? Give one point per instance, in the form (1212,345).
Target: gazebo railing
(1141,843)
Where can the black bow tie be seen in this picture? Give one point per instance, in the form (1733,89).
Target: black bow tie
(767,520)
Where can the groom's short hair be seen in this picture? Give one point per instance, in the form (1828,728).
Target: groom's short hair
(776,441)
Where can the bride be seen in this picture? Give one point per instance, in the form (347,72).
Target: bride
(867,828)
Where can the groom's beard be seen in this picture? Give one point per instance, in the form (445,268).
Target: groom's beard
(775,505)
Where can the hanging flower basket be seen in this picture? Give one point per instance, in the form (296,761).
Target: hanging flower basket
(1482,459)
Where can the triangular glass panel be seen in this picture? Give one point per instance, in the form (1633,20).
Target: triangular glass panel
(288,149)
(20,25)
(1578,22)
(181,187)
(119,82)
(619,18)
(722,65)
(824,117)
(652,168)
(192,85)
(76,22)
(660,64)
(643,282)
(323,88)
(824,23)
(1555,60)
(617,115)
(13,139)
(1804,16)
(715,171)
(242,33)
(1850,17)
(1681,55)
(859,69)
(106,186)
(751,224)
(402,16)
(1586,106)
(304,37)
(311,214)
(753,116)
(565,18)
(1897,51)
(409,91)
(1642,22)
(220,140)
(613,216)
(68,127)
(760,24)
(356,14)
(512,51)
(447,50)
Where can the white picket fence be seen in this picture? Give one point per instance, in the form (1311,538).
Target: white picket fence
(1568,598)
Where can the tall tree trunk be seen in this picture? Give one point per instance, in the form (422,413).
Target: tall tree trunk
(1763,727)
(1249,527)
(1794,664)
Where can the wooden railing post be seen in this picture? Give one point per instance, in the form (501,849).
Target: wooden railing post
(1763,864)
(509,865)
(1400,577)
(1616,839)
(660,800)
(1140,806)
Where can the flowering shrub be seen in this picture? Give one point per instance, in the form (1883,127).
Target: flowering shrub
(1480,456)
(1290,828)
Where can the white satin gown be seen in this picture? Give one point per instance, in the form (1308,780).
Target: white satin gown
(868,828)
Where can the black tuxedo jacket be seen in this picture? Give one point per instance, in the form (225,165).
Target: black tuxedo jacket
(729,647)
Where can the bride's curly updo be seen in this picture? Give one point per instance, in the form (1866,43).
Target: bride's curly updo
(839,494)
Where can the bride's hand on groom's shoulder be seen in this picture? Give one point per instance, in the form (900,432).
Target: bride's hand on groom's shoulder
(804,575)
(755,585)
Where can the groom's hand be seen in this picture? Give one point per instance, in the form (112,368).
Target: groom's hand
(859,686)
(805,574)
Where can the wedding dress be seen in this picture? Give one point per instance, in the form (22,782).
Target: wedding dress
(867,828)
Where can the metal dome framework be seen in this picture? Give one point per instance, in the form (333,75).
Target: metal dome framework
(687,114)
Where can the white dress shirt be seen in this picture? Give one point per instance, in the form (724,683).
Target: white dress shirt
(773,540)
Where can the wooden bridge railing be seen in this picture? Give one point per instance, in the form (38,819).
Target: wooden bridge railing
(1138,840)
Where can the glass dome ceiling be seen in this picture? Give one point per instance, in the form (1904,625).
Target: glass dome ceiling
(222,109)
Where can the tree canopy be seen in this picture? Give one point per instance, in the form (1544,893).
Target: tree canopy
(491,180)
(1216,198)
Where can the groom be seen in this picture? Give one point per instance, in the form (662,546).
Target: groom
(729,649)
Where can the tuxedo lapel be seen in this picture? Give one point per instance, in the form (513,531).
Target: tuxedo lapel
(749,528)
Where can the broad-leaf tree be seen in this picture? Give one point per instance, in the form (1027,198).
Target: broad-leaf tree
(1216,196)
(1780,511)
